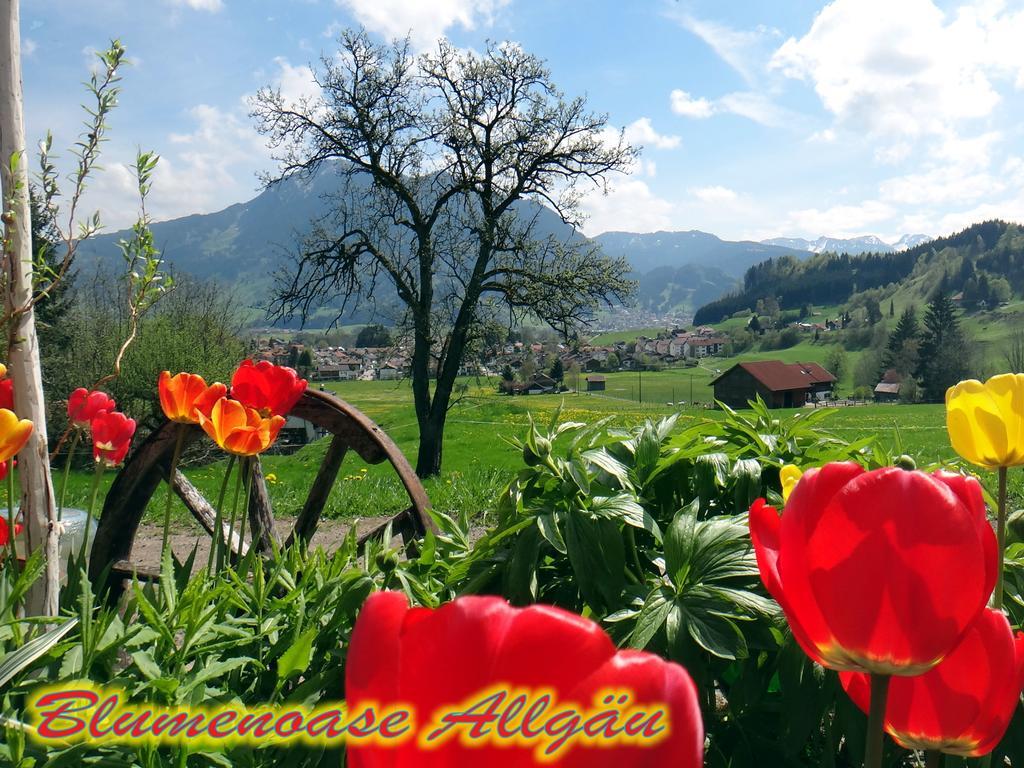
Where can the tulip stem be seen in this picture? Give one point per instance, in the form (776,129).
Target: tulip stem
(92,505)
(997,598)
(10,519)
(932,758)
(218,532)
(179,441)
(876,720)
(234,517)
(67,472)
(250,470)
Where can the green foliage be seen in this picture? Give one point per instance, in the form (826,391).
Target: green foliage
(196,327)
(375,335)
(645,530)
(829,278)
(945,353)
(642,528)
(273,634)
(835,361)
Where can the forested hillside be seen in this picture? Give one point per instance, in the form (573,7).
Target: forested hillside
(984,261)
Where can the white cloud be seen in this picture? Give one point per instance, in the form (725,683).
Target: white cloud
(686,105)
(974,152)
(939,185)
(840,220)
(739,48)
(641,133)
(296,82)
(629,206)
(424,21)
(201,5)
(28,46)
(206,169)
(958,173)
(904,69)
(211,167)
(752,105)
(893,153)
(714,194)
(825,136)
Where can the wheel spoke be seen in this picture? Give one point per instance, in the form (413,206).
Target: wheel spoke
(261,514)
(306,522)
(204,512)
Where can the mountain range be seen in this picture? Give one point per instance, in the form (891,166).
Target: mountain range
(246,244)
(853,246)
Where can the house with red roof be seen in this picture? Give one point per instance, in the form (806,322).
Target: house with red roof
(779,384)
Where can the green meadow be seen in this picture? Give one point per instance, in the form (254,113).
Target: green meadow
(479,459)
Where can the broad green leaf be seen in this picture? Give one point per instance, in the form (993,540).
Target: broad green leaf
(521,579)
(679,543)
(652,616)
(549,530)
(746,477)
(213,671)
(295,660)
(716,635)
(625,507)
(600,457)
(147,665)
(597,555)
(18,661)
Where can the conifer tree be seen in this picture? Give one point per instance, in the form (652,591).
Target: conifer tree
(943,359)
(901,352)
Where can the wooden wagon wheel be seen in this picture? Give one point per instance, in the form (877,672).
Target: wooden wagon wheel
(150,464)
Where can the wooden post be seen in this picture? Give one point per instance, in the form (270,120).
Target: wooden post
(37,502)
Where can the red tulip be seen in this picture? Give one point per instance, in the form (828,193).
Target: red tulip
(112,433)
(4,532)
(7,394)
(877,571)
(433,660)
(84,406)
(270,389)
(5,467)
(962,706)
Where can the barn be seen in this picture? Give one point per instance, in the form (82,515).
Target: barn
(779,384)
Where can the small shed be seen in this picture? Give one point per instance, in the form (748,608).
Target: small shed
(888,389)
(596,383)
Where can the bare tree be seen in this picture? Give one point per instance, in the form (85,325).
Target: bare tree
(451,165)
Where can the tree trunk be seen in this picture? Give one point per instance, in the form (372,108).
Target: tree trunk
(428,460)
(37,502)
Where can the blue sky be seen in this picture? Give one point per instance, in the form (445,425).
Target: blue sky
(758,118)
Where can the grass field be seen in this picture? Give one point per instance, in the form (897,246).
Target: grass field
(478,460)
(613,337)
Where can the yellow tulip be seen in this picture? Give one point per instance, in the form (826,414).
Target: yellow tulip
(986,421)
(239,430)
(14,433)
(790,475)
